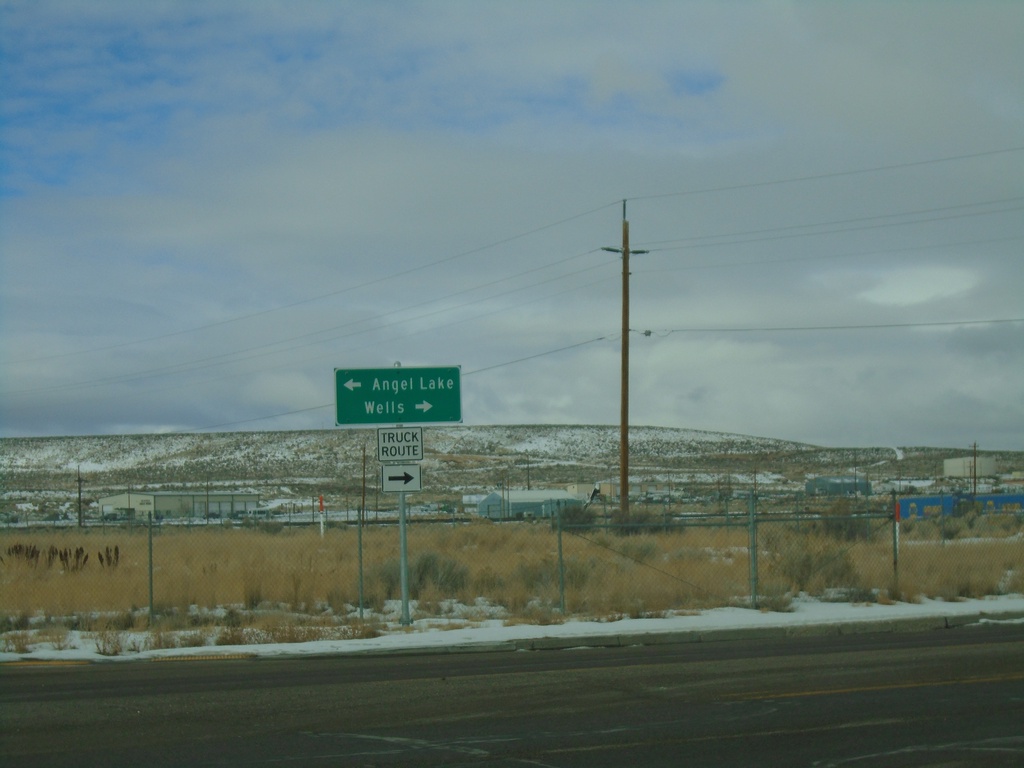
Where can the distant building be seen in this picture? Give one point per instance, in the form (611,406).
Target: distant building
(135,505)
(969,466)
(637,490)
(838,486)
(582,490)
(471,501)
(526,505)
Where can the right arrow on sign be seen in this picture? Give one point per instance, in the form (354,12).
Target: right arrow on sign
(401,478)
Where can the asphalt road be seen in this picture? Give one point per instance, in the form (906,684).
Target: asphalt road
(942,698)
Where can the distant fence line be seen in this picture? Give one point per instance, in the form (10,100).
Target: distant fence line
(462,566)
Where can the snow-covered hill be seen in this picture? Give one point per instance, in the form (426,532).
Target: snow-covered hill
(457,458)
(108,453)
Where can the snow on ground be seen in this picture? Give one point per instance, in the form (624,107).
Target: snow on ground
(433,636)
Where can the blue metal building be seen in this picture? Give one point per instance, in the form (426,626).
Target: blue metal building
(949,504)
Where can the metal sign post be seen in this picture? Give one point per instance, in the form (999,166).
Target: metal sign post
(403,556)
(402,478)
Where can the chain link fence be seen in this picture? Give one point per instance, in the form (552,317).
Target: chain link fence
(320,580)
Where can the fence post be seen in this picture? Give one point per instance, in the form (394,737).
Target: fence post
(561,562)
(752,522)
(151,567)
(359,534)
(895,547)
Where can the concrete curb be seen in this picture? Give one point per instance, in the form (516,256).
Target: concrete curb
(624,640)
(921,624)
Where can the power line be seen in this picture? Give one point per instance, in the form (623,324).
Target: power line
(539,354)
(250,421)
(513,238)
(649,333)
(320,297)
(831,175)
(792,259)
(867,326)
(238,356)
(837,231)
(331,405)
(474,318)
(860,219)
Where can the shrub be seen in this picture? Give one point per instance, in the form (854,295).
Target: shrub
(428,570)
(58,637)
(109,642)
(577,514)
(487,582)
(388,576)
(775,601)
(21,621)
(639,521)
(444,573)
(815,564)
(195,639)
(122,620)
(159,639)
(537,576)
(639,550)
(16,642)
(252,590)
(577,572)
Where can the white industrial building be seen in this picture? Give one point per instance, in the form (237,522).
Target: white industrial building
(526,505)
(969,466)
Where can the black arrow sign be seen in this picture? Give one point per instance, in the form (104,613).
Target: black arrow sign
(406,478)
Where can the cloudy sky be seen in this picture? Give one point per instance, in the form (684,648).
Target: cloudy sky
(207,207)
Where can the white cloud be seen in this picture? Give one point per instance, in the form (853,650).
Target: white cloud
(205,212)
(918,285)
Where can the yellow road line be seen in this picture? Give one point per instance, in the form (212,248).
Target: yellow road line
(206,657)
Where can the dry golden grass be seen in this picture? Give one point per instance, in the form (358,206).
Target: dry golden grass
(513,566)
(936,569)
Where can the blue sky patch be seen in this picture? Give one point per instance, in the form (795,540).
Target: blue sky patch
(699,82)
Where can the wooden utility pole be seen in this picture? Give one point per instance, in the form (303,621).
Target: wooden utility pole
(80,481)
(974,472)
(624,388)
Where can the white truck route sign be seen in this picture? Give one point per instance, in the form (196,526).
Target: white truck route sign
(399,444)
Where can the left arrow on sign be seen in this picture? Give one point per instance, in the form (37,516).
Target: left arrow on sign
(352,384)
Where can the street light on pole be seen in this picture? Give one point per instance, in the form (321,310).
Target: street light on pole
(624,387)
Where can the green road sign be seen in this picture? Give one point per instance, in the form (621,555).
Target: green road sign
(398,395)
